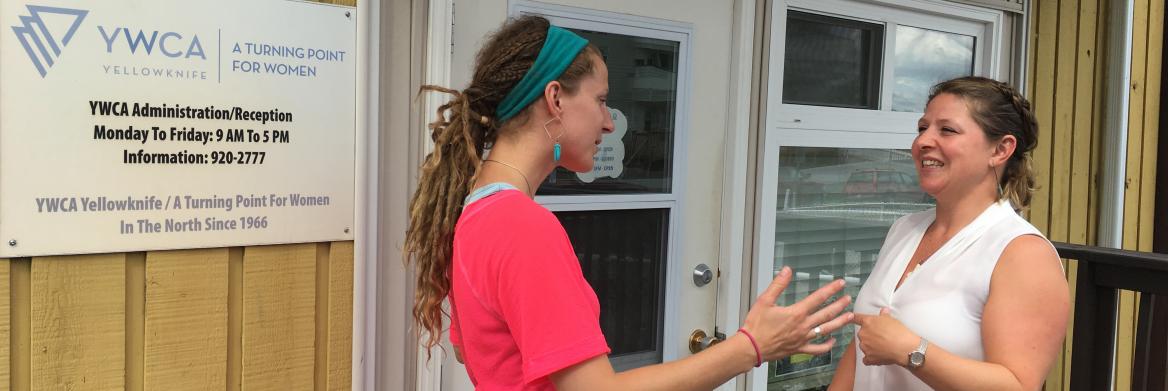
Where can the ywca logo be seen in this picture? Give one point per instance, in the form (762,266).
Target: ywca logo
(41,44)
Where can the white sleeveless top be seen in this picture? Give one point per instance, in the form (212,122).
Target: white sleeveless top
(943,299)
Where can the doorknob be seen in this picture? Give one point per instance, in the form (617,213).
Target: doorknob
(702,275)
(699,341)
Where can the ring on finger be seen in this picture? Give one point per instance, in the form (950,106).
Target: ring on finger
(818,330)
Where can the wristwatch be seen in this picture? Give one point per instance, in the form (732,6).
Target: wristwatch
(917,358)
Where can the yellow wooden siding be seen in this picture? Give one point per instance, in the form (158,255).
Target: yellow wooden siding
(1067,85)
(78,322)
(1155,43)
(238,318)
(1063,120)
(1085,120)
(340,317)
(20,313)
(1054,75)
(186,322)
(1042,100)
(1062,93)
(320,354)
(235,319)
(279,302)
(135,326)
(5,323)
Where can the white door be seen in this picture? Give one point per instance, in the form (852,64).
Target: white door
(649,215)
(847,82)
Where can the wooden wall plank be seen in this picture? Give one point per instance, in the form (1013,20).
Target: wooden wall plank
(340,323)
(78,322)
(1135,133)
(1063,126)
(1042,99)
(320,370)
(135,327)
(279,289)
(1041,35)
(1151,122)
(1097,128)
(5,323)
(186,320)
(1081,179)
(1062,130)
(1084,110)
(20,335)
(1032,54)
(235,319)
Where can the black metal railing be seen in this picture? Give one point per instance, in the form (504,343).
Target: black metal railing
(1101,273)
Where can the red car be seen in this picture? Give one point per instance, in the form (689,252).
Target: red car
(883,185)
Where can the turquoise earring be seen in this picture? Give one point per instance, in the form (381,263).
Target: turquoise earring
(555,140)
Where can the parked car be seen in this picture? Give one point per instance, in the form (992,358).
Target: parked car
(883,185)
(797,190)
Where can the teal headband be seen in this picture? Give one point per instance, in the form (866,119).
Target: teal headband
(559,49)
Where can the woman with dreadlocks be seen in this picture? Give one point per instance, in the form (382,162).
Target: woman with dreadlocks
(522,315)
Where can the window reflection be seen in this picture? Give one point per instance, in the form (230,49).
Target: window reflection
(835,206)
(832,61)
(622,255)
(642,97)
(924,58)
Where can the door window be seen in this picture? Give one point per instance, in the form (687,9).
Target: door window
(622,255)
(637,158)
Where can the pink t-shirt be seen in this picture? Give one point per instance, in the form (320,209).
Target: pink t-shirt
(521,307)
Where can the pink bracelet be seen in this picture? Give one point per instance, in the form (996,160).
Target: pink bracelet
(757,353)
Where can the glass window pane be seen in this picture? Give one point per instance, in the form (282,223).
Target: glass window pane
(835,207)
(924,58)
(832,61)
(622,254)
(642,98)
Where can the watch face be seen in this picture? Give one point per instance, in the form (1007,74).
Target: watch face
(916,359)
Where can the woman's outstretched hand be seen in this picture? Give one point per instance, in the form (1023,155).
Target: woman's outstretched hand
(783,331)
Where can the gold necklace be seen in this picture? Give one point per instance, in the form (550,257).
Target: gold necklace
(525,181)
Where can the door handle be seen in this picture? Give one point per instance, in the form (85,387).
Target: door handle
(702,275)
(699,341)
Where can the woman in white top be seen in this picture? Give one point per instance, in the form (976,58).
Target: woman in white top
(966,296)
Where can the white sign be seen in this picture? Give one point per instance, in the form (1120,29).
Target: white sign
(131,125)
(609,160)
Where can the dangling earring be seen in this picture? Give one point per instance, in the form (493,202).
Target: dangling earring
(555,140)
(997,180)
